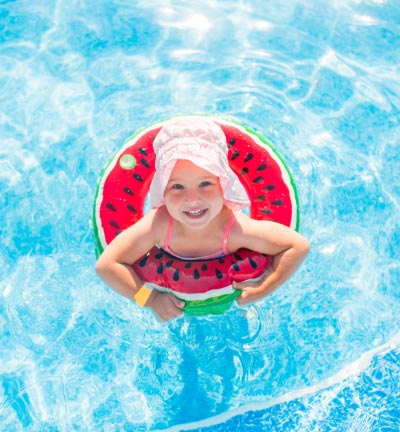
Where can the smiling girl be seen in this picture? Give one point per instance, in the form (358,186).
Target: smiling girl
(196,200)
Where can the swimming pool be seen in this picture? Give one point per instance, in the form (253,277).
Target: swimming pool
(322,82)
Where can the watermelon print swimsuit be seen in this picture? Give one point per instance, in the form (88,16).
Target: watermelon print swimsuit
(219,254)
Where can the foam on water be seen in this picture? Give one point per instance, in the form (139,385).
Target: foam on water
(76,80)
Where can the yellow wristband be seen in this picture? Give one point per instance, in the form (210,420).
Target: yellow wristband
(142,295)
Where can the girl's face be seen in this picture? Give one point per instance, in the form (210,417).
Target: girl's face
(193,195)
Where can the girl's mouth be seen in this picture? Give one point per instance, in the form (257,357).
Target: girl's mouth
(195,214)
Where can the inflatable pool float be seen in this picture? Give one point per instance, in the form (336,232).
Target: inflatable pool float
(204,285)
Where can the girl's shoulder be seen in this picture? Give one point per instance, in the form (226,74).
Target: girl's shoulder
(247,231)
(242,220)
(245,222)
(238,230)
(160,214)
(157,214)
(159,219)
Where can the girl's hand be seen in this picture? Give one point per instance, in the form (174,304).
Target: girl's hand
(251,292)
(287,249)
(165,306)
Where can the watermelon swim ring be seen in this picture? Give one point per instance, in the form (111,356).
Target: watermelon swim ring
(204,285)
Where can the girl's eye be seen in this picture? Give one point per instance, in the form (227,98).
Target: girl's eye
(205,183)
(177,186)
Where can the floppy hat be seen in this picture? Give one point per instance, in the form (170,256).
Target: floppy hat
(201,141)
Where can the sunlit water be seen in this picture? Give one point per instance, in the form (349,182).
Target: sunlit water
(319,79)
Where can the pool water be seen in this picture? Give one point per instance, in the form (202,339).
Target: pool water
(321,80)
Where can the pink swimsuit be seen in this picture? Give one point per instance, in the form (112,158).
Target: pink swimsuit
(218,254)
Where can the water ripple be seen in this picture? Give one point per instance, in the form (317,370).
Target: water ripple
(76,79)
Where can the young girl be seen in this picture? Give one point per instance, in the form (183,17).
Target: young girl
(196,200)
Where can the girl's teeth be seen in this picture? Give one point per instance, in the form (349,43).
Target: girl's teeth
(195,213)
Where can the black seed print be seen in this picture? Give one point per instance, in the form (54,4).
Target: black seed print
(204,267)
(137,177)
(169,263)
(249,157)
(143,151)
(160,268)
(111,207)
(258,179)
(262,167)
(277,202)
(235,155)
(114,224)
(131,208)
(221,260)
(235,266)
(260,198)
(266,211)
(244,171)
(238,257)
(232,142)
(196,274)
(176,275)
(188,265)
(253,263)
(159,255)
(144,163)
(219,274)
(143,261)
(117,233)
(128,190)
(269,187)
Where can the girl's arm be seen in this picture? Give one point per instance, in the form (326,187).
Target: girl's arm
(114,265)
(287,248)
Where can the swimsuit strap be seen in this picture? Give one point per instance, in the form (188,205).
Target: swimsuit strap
(226,233)
(169,233)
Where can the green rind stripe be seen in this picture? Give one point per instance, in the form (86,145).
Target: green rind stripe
(215,305)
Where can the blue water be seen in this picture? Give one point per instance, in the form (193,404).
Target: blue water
(322,81)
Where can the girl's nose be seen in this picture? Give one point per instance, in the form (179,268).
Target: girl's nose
(192,195)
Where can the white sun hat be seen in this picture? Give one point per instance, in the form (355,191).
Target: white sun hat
(201,141)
